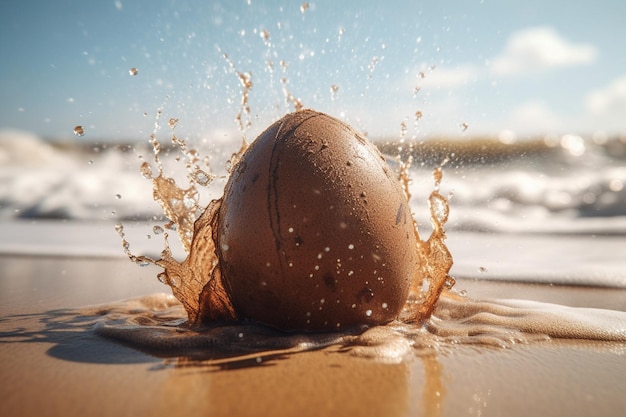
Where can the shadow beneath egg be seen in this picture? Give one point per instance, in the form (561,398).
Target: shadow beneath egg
(102,338)
(219,347)
(71,337)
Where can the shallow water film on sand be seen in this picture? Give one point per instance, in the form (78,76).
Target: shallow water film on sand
(156,325)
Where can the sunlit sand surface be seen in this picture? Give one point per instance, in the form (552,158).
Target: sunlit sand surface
(51,350)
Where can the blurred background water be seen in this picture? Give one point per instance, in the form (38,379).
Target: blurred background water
(525,101)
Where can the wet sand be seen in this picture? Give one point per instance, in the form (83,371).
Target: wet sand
(53,366)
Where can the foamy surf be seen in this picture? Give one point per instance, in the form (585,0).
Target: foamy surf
(155,324)
(549,191)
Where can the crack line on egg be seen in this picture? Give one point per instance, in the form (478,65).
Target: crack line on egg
(272,186)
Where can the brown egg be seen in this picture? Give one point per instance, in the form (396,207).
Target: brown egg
(315,232)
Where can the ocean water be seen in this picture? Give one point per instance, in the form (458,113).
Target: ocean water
(551,209)
(552,185)
(551,192)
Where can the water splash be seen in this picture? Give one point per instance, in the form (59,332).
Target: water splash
(245,79)
(197,283)
(434,317)
(437,260)
(372,66)
(290,98)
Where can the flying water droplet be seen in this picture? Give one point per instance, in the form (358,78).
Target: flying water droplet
(265,35)
(201,177)
(372,66)
(403,129)
(439,208)
(333,91)
(146,170)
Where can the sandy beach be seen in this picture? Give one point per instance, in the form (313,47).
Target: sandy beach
(51,363)
(450,174)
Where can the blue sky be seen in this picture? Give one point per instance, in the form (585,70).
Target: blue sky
(531,67)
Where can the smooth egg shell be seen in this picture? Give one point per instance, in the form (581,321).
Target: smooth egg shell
(314,230)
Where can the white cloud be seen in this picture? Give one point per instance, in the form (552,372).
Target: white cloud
(606,107)
(534,117)
(540,48)
(609,98)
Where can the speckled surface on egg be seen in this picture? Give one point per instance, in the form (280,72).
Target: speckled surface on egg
(314,231)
